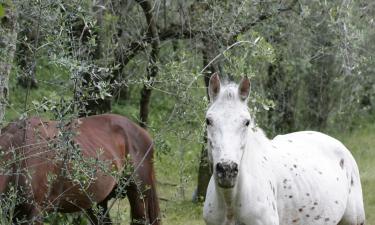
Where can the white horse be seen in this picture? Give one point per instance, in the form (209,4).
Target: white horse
(305,178)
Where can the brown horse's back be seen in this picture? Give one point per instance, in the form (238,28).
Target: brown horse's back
(106,140)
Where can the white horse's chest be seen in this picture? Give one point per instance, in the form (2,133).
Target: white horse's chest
(247,208)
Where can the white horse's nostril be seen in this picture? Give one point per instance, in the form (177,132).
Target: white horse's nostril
(226,169)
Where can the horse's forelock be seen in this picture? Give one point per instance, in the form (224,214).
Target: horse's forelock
(230,91)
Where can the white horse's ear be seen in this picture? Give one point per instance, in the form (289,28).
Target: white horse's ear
(214,86)
(244,88)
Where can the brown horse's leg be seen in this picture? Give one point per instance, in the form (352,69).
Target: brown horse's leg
(92,216)
(104,207)
(28,215)
(138,205)
(103,218)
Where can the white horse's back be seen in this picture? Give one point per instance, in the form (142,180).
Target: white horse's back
(318,180)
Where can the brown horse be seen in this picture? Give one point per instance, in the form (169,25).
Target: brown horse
(34,162)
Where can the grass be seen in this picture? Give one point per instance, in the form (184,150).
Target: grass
(361,143)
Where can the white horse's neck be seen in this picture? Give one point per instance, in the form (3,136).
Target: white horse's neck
(254,172)
(256,153)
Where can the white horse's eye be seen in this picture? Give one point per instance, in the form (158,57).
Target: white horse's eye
(247,123)
(208,122)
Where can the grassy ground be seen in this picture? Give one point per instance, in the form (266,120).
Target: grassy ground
(362,145)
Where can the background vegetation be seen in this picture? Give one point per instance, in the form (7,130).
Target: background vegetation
(311,63)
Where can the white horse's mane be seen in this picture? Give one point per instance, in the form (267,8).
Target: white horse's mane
(230,90)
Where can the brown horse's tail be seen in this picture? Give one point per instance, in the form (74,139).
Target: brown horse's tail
(153,202)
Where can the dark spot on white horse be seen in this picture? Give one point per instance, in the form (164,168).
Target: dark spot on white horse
(285,165)
(295,220)
(307,194)
(274,146)
(265,158)
(342,163)
(300,209)
(317,217)
(315,203)
(290,196)
(320,172)
(326,219)
(337,179)
(307,215)
(290,140)
(336,202)
(285,180)
(210,211)
(295,166)
(284,186)
(272,188)
(352,181)
(273,206)
(312,208)
(289,187)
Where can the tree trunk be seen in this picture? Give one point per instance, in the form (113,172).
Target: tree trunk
(318,83)
(209,51)
(8,38)
(152,69)
(93,104)
(280,89)
(25,56)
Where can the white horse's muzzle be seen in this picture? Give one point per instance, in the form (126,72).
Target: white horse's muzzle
(226,174)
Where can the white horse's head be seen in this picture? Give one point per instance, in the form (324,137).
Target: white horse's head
(228,122)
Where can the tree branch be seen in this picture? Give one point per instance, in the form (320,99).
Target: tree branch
(260,19)
(175,31)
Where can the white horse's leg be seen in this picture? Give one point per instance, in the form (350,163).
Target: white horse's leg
(354,212)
